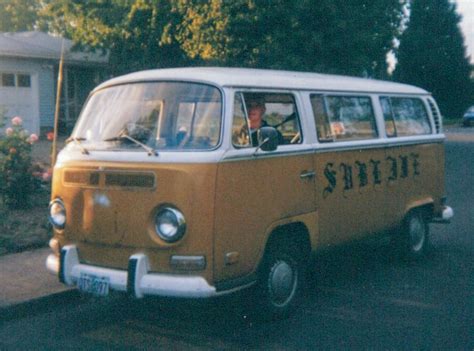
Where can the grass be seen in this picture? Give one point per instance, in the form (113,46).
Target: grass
(26,228)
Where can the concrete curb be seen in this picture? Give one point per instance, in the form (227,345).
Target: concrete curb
(39,305)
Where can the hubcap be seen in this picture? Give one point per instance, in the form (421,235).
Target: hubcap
(417,235)
(282,283)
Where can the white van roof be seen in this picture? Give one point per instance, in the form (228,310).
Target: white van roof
(262,78)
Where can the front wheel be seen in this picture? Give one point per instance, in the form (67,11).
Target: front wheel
(280,281)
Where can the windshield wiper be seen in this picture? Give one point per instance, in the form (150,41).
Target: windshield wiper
(124,135)
(77,141)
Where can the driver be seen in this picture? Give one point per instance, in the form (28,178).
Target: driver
(256,111)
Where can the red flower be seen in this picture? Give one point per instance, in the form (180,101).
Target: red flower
(12,150)
(50,136)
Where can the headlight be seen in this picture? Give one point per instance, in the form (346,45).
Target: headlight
(170,224)
(57,214)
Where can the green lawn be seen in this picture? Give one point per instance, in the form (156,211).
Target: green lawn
(26,228)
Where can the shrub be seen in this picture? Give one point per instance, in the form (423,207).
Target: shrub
(16,180)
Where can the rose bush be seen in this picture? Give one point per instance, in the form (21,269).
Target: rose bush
(16,179)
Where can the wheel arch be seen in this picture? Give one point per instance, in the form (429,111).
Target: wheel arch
(425,206)
(293,233)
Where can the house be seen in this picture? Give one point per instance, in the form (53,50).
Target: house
(29,65)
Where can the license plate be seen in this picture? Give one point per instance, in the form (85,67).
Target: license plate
(92,284)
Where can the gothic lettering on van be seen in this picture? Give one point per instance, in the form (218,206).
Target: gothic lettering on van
(376,173)
(395,168)
(330,175)
(347,175)
(415,164)
(362,174)
(393,175)
(403,166)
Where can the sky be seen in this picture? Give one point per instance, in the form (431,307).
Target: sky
(466,9)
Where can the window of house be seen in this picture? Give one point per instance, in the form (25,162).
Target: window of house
(343,118)
(405,116)
(8,80)
(24,80)
(255,110)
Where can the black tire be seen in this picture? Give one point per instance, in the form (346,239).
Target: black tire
(280,281)
(412,239)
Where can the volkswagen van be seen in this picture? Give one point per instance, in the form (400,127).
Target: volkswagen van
(161,191)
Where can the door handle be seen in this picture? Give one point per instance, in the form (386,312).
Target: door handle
(307,174)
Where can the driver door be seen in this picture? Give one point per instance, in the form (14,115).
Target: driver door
(257,190)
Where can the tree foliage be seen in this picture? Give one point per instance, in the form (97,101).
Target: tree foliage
(133,30)
(432,55)
(340,36)
(18,15)
(350,36)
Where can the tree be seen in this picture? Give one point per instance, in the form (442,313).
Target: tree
(339,36)
(348,37)
(18,15)
(432,55)
(132,30)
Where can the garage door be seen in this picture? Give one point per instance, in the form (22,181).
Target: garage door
(19,97)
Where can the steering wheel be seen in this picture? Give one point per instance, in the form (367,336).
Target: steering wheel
(296,138)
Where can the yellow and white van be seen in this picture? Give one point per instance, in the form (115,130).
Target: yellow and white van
(161,191)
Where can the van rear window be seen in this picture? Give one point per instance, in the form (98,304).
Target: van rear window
(343,118)
(405,116)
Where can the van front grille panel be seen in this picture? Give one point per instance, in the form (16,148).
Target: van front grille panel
(109,179)
(81,178)
(130,180)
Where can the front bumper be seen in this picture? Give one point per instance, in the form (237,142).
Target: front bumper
(136,281)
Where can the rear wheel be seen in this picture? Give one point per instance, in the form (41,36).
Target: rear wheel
(412,239)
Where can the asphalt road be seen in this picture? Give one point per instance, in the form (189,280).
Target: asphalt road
(358,298)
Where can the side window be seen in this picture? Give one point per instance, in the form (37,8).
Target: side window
(388,117)
(409,116)
(240,135)
(347,118)
(321,118)
(255,110)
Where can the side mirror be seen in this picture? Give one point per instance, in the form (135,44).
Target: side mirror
(267,138)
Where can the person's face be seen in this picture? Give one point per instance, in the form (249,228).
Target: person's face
(255,117)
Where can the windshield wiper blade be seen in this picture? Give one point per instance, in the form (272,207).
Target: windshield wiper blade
(77,141)
(122,135)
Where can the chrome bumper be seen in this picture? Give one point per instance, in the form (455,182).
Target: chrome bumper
(445,217)
(137,281)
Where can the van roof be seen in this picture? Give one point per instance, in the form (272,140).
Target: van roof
(262,78)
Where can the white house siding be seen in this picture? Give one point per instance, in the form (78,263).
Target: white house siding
(34,104)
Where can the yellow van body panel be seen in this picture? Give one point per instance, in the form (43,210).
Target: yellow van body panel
(253,195)
(366,191)
(109,220)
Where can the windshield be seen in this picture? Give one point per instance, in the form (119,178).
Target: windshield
(161,115)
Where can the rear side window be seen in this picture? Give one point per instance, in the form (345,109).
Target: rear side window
(343,118)
(405,116)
